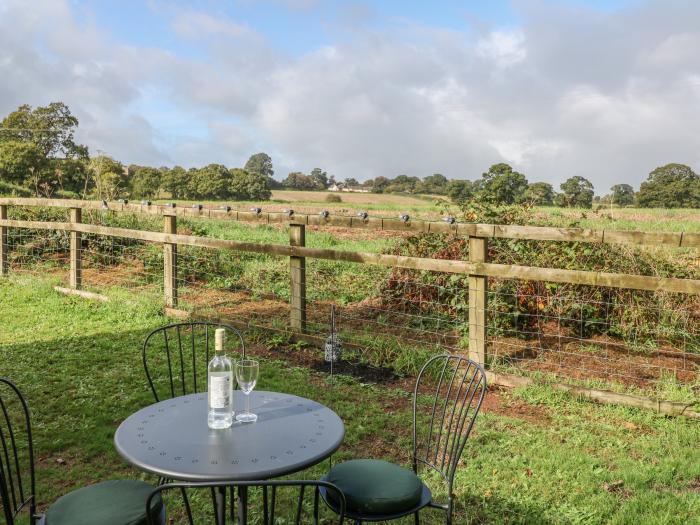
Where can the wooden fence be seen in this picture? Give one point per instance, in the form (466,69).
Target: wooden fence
(477,267)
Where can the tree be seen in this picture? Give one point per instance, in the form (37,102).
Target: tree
(402,184)
(539,194)
(351,182)
(379,184)
(460,190)
(320,178)
(249,186)
(502,185)
(210,182)
(435,184)
(260,163)
(176,182)
(576,192)
(18,160)
(109,177)
(298,181)
(145,181)
(41,140)
(670,186)
(622,194)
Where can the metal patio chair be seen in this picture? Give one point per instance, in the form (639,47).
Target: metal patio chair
(178,355)
(175,357)
(268,503)
(111,502)
(380,491)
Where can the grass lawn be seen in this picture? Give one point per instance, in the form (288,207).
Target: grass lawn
(536,456)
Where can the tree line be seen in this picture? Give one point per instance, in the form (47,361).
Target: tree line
(39,156)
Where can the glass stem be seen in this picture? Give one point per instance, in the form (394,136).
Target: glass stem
(247,403)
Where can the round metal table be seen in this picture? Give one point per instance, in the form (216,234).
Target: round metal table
(171,439)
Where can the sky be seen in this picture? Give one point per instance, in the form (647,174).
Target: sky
(604,89)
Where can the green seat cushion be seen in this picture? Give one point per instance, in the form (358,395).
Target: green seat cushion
(115,502)
(376,487)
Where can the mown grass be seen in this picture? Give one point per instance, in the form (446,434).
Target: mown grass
(536,457)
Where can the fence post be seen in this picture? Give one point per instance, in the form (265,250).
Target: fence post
(170,263)
(76,263)
(297,270)
(478,252)
(4,246)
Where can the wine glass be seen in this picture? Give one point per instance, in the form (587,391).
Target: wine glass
(247,376)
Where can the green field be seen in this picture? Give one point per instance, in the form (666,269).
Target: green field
(430,208)
(536,456)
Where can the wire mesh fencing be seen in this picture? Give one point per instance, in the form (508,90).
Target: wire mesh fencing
(390,319)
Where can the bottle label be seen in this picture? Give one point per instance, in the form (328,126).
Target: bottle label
(220,391)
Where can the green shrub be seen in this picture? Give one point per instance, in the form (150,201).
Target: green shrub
(332,197)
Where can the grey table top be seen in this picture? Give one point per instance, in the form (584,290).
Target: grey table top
(171,438)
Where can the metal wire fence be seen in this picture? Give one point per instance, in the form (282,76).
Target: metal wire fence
(390,319)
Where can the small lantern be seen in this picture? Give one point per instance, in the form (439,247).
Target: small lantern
(333,349)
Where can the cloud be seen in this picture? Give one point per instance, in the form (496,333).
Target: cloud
(608,95)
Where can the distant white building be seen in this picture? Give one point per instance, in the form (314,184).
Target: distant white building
(341,186)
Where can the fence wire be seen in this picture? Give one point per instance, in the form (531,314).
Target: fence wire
(389,319)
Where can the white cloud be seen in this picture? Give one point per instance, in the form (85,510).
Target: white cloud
(606,95)
(503,48)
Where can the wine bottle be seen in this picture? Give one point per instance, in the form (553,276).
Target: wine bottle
(220,385)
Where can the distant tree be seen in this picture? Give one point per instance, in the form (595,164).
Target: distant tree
(109,177)
(260,163)
(460,190)
(622,194)
(351,182)
(402,184)
(249,186)
(145,181)
(18,160)
(539,194)
(502,185)
(176,182)
(210,182)
(576,192)
(299,181)
(40,144)
(435,184)
(670,186)
(320,178)
(379,184)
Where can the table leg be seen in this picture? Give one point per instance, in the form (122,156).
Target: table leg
(242,505)
(220,497)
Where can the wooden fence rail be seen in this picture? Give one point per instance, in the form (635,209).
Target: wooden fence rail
(540,233)
(477,268)
(484,269)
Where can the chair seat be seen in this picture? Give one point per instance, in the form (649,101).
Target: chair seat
(376,487)
(114,502)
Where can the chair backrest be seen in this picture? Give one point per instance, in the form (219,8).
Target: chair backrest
(17,483)
(447,398)
(267,513)
(176,356)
